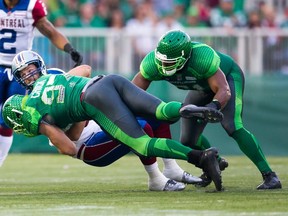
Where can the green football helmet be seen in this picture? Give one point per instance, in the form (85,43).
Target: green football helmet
(12,113)
(21,61)
(172,52)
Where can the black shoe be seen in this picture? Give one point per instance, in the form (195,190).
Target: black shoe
(271,181)
(206,114)
(206,180)
(210,166)
(223,163)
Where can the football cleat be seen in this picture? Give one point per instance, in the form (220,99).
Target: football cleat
(187,178)
(206,180)
(206,114)
(166,185)
(172,185)
(223,163)
(181,176)
(271,181)
(210,166)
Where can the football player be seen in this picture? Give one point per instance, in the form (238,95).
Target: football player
(18,20)
(212,79)
(57,101)
(94,146)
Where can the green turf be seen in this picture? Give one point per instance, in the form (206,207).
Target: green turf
(59,185)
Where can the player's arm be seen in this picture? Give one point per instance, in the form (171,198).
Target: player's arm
(48,30)
(81,70)
(58,39)
(58,138)
(140,81)
(75,130)
(220,87)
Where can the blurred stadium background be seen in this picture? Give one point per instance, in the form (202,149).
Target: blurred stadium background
(114,35)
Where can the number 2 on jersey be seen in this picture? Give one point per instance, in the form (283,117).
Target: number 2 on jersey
(7,36)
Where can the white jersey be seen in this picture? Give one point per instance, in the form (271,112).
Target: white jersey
(91,129)
(17,27)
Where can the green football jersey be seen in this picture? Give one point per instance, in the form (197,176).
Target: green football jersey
(58,98)
(202,64)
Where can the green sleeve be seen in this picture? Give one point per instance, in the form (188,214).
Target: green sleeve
(204,61)
(148,68)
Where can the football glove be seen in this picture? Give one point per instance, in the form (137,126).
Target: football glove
(75,55)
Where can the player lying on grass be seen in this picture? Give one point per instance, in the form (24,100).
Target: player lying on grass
(97,148)
(57,101)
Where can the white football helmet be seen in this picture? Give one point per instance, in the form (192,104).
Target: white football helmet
(21,61)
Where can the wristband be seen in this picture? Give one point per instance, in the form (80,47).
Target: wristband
(217,104)
(68,48)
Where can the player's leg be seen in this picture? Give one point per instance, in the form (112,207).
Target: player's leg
(100,150)
(192,129)
(171,169)
(114,101)
(7,88)
(6,139)
(156,180)
(246,141)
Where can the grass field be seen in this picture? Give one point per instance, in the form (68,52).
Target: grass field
(59,185)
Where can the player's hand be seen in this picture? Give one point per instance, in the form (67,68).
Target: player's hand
(76,57)
(214,104)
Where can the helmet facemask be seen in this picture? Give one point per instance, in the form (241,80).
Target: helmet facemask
(16,122)
(21,61)
(168,67)
(12,113)
(172,52)
(22,79)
